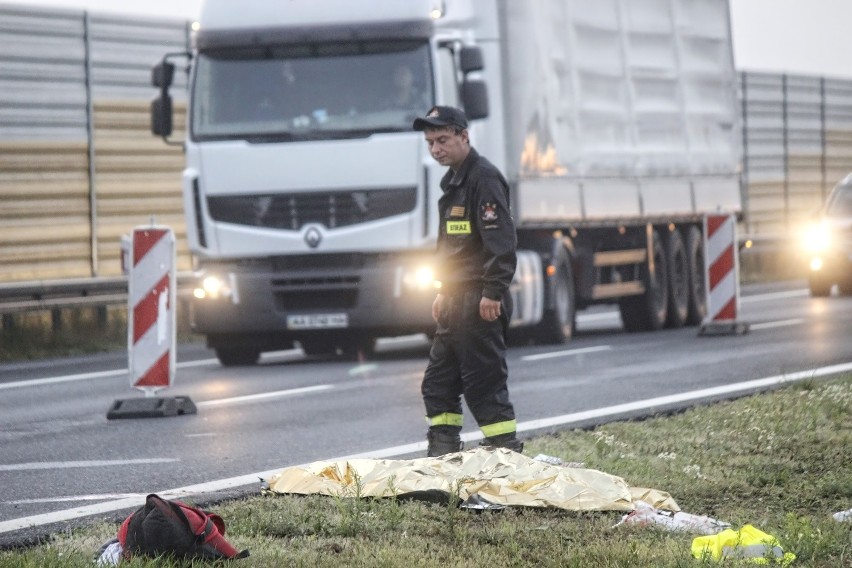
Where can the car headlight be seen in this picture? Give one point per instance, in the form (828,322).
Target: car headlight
(817,238)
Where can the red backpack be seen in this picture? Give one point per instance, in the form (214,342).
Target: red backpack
(174,528)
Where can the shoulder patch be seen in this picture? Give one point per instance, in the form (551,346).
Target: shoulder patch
(488,212)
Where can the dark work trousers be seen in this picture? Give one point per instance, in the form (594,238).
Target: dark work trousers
(468,357)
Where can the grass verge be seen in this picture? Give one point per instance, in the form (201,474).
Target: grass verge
(72,331)
(781,461)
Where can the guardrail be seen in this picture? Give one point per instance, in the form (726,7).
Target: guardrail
(97,292)
(70,293)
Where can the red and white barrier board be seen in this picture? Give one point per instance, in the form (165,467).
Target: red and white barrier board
(722,273)
(151,309)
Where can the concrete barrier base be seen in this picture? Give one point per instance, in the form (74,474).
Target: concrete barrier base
(151,407)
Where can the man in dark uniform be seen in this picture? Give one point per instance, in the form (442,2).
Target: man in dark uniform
(476,262)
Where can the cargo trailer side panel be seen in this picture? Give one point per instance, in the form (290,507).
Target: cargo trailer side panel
(620,109)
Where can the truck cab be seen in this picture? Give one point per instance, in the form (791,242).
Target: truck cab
(310,201)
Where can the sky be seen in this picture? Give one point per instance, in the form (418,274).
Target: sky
(792,36)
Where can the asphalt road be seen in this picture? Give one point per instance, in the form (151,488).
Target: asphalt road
(62,462)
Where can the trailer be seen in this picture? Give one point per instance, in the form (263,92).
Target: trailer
(311,204)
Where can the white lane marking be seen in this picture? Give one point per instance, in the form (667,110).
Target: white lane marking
(685,397)
(779,323)
(297,352)
(201,435)
(64,379)
(775,296)
(602,316)
(75,464)
(362,369)
(568,353)
(73,498)
(262,396)
(94,375)
(564,420)
(278,355)
(275,355)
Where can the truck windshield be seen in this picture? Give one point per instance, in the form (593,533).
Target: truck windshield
(310,92)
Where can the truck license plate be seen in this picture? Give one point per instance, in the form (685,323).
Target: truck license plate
(318,321)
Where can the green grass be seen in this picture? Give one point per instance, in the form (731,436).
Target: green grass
(781,461)
(36,335)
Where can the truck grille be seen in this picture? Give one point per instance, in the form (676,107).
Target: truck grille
(293,211)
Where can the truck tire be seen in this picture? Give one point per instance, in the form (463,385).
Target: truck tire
(697,279)
(648,312)
(237,356)
(819,286)
(557,322)
(678,280)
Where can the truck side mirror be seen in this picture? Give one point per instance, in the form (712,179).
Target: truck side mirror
(470,59)
(475,99)
(161,114)
(162,74)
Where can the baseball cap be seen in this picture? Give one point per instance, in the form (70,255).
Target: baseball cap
(442,116)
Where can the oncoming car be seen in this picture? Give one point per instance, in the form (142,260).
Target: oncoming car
(828,243)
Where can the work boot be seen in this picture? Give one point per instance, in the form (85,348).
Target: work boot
(442,442)
(508,441)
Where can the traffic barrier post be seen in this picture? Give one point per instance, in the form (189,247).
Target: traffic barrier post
(151,325)
(722,273)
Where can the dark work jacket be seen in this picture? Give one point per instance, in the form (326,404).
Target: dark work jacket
(476,237)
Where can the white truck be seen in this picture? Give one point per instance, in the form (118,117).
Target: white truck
(311,203)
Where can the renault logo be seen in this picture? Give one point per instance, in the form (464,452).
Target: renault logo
(313,237)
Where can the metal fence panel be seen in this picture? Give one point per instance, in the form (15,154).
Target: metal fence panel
(78,167)
(797,137)
(78,164)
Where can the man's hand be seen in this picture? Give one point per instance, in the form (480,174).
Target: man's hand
(436,306)
(489,309)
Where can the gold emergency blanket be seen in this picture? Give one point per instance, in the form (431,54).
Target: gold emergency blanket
(498,476)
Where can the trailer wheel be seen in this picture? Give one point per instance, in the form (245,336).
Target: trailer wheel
(678,280)
(557,323)
(697,283)
(237,356)
(648,312)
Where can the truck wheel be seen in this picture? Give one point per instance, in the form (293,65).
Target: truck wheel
(557,323)
(648,312)
(237,356)
(819,286)
(697,284)
(678,280)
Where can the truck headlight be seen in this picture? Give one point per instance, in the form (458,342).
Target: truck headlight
(420,278)
(212,287)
